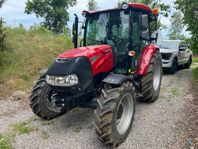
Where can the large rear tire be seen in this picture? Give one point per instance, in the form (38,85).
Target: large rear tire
(151,82)
(40,101)
(114,114)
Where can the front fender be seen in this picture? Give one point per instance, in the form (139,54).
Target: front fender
(117,79)
(146,56)
(43,72)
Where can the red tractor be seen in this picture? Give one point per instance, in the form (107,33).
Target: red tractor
(116,64)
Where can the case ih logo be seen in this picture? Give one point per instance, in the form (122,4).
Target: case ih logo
(94,58)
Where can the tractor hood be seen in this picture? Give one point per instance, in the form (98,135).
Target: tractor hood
(100,57)
(85,63)
(88,51)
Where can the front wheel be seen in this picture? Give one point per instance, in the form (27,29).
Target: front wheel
(174,67)
(41,101)
(114,114)
(151,82)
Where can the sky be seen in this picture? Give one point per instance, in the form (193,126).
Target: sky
(13,12)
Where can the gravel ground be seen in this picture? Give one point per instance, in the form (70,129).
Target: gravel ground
(156,125)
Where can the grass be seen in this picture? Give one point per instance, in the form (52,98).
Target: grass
(6,141)
(21,128)
(27,53)
(195,74)
(195,59)
(174,92)
(195,70)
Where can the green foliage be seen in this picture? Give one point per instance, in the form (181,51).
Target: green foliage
(21,128)
(53,11)
(176,26)
(195,74)
(28,52)
(2,36)
(195,60)
(5,141)
(92,5)
(190,10)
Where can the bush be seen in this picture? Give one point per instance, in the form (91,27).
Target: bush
(28,51)
(2,36)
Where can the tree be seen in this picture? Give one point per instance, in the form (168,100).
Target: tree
(92,5)
(2,31)
(53,11)
(176,26)
(190,10)
(1,2)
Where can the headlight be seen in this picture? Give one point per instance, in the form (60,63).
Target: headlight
(69,80)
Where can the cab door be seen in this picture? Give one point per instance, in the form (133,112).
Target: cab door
(137,43)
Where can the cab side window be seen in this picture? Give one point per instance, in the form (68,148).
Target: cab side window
(136,29)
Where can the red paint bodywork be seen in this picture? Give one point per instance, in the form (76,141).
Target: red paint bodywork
(140,6)
(133,5)
(147,54)
(100,57)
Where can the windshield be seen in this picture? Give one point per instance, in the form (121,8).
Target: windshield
(108,28)
(169,45)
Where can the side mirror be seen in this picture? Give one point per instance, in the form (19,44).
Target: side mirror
(182,48)
(75,31)
(154,36)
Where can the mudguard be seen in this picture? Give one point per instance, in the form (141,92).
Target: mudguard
(146,56)
(116,79)
(43,72)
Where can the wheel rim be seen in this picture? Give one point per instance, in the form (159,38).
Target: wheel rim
(124,113)
(50,101)
(156,75)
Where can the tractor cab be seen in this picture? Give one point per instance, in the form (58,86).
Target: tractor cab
(125,29)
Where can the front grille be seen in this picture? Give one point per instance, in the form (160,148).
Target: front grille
(166,56)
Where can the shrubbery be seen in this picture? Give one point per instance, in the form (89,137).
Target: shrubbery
(28,51)
(2,35)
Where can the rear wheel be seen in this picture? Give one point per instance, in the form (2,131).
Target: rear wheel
(151,82)
(187,65)
(41,101)
(114,114)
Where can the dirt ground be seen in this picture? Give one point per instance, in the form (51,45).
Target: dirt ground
(170,122)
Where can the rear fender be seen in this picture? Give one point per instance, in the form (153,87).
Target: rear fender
(146,56)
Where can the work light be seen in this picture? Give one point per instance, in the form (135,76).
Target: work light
(125,6)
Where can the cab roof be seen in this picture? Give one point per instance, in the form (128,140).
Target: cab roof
(137,6)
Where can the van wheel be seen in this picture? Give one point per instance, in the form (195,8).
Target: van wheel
(174,67)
